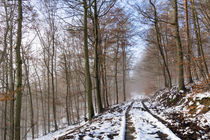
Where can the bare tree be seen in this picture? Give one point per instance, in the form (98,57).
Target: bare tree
(19,73)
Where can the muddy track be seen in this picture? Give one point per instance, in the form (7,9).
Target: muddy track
(130,129)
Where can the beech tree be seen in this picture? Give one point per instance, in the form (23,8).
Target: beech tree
(87,67)
(19,73)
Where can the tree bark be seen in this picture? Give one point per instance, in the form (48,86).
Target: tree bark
(12,86)
(124,71)
(30,96)
(19,73)
(189,75)
(97,77)
(116,73)
(180,60)
(87,68)
(52,77)
(67,89)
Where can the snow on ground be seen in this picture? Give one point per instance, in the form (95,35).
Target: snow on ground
(110,125)
(200,96)
(184,109)
(60,132)
(147,127)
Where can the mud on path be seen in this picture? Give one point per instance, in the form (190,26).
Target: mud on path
(130,129)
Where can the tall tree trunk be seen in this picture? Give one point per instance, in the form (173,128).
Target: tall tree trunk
(166,58)
(48,94)
(67,89)
(189,75)
(105,76)
(5,85)
(77,99)
(97,77)
(199,43)
(37,112)
(103,87)
(12,86)
(116,71)
(25,113)
(179,48)
(87,68)
(42,103)
(200,66)
(5,69)
(52,78)
(19,73)
(158,38)
(124,71)
(30,96)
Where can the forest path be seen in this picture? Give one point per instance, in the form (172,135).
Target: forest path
(126,121)
(142,125)
(130,129)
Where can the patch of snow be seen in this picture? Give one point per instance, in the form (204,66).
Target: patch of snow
(191,103)
(53,135)
(123,128)
(200,96)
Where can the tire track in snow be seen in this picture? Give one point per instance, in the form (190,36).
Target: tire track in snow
(167,124)
(130,129)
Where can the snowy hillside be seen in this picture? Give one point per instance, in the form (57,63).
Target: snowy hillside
(187,114)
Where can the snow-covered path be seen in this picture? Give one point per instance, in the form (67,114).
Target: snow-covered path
(126,121)
(147,127)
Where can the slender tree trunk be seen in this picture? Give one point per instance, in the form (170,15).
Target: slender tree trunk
(179,48)
(30,96)
(19,73)
(67,89)
(87,68)
(2,121)
(25,113)
(71,112)
(5,85)
(48,92)
(103,88)
(42,103)
(201,56)
(12,86)
(166,58)
(105,76)
(166,54)
(200,42)
(158,37)
(97,77)
(77,100)
(5,70)
(116,71)
(200,66)
(189,75)
(37,112)
(124,72)
(52,78)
